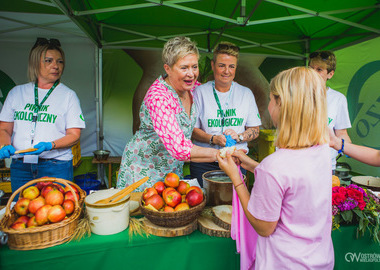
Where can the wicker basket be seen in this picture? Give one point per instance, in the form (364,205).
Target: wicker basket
(47,235)
(173,219)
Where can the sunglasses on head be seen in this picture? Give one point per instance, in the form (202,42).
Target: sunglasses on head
(227,47)
(323,55)
(45,41)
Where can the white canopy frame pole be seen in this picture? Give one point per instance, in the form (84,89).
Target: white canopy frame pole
(99,109)
(99,99)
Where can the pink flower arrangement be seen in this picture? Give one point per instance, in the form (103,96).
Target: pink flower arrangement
(355,205)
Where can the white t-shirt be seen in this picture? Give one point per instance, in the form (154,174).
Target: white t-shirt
(238,105)
(60,111)
(338,116)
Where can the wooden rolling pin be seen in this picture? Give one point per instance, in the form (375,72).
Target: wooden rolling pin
(122,193)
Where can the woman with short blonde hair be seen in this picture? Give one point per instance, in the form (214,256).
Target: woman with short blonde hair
(163,141)
(292,189)
(177,48)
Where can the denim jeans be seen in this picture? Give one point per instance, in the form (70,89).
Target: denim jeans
(198,169)
(21,172)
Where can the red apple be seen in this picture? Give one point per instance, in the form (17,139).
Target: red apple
(198,189)
(48,188)
(194,198)
(35,204)
(18,225)
(41,185)
(183,198)
(21,206)
(182,206)
(159,186)
(60,188)
(23,219)
(56,213)
(171,180)
(70,196)
(32,222)
(148,192)
(68,189)
(68,206)
(166,190)
(31,193)
(54,197)
(42,214)
(168,209)
(172,198)
(156,201)
(183,187)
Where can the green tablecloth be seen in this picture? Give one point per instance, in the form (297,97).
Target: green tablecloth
(195,251)
(119,251)
(354,253)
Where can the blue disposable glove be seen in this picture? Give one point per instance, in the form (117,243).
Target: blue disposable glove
(7,151)
(42,146)
(230,141)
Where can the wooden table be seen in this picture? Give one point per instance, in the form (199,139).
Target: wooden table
(109,161)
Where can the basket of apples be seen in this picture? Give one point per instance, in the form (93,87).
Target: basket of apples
(46,213)
(172,203)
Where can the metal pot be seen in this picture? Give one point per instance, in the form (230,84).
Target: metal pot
(342,169)
(218,187)
(101,154)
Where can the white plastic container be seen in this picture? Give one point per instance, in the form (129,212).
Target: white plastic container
(106,219)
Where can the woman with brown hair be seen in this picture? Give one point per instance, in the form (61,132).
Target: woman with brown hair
(224,108)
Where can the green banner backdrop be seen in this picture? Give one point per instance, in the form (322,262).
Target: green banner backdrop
(358,77)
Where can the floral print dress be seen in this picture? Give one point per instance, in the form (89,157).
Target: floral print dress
(163,141)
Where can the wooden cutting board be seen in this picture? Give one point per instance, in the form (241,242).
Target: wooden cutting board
(207,226)
(168,232)
(222,216)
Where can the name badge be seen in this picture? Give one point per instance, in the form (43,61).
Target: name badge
(32,159)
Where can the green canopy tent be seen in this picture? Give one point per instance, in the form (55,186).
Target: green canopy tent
(288,29)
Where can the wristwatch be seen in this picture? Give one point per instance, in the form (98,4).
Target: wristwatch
(241,138)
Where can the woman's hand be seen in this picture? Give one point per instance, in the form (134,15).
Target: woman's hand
(232,133)
(229,167)
(219,140)
(41,147)
(245,161)
(7,151)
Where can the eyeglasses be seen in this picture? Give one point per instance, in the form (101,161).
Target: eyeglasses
(324,55)
(227,47)
(44,41)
